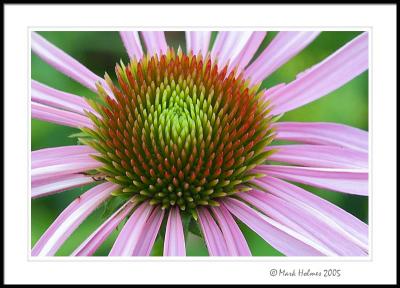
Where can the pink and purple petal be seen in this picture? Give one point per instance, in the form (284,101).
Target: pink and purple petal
(52,97)
(248,51)
(93,242)
(155,42)
(279,236)
(64,63)
(322,133)
(304,222)
(282,48)
(58,167)
(319,156)
(58,116)
(228,46)
(132,44)
(325,77)
(84,157)
(149,233)
(213,236)
(174,243)
(53,185)
(131,233)
(273,89)
(71,218)
(235,241)
(197,42)
(339,219)
(352,181)
(61,152)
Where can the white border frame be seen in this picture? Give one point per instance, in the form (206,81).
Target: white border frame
(380,18)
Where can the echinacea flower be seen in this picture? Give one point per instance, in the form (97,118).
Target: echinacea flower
(188,138)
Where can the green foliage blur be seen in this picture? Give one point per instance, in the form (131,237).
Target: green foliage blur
(100,51)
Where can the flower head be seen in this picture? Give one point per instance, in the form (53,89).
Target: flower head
(179,132)
(186,139)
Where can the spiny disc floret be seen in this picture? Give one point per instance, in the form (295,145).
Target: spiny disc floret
(179,130)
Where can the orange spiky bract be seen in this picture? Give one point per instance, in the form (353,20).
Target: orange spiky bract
(180,130)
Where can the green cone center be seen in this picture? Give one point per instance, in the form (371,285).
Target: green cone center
(179,130)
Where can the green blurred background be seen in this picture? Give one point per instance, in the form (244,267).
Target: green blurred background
(99,51)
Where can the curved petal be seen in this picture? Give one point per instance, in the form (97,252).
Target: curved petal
(70,219)
(304,222)
(64,167)
(46,95)
(46,185)
(198,42)
(279,236)
(273,89)
(72,158)
(155,42)
(132,44)
(265,207)
(93,242)
(248,51)
(228,45)
(60,152)
(322,133)
(282,48)
(64,63)
(339,219)
(319,156)
(235,241)
(150,232)
(130,235)
(57,116)
(335,71)
(213,236)
(353,181)
(174,244)
(53,185)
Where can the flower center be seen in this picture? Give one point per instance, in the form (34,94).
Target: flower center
(179,131)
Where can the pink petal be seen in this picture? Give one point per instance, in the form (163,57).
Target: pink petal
(132,44)
(155,42)
(273,89)
(64,63)
(149,233)
(51,97)
(335,71)
(69,166)
(353,181)
(130,235)
(248,51)
(61,152)
(45,185)
(265,207)
(235,241)
(228,45)
(213,236)
(279,236)
(174,243)
(319,156)
(71,218)
(84,157)
(339,219)
(61,117)
(93,242)
(198,42)
(282,48)
(53,185)
(322,133)
(304,222)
